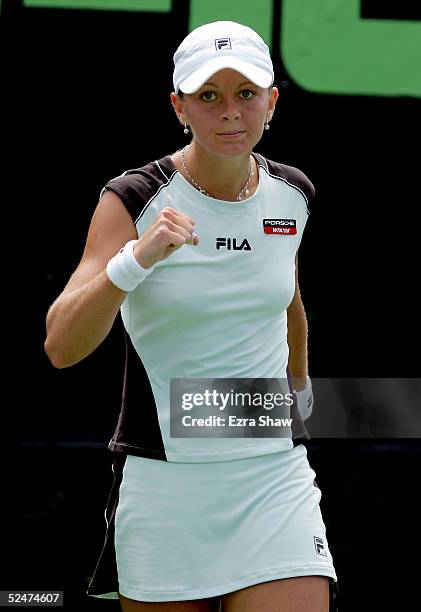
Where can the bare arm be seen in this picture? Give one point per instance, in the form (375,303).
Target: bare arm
(83,314)
(297,337)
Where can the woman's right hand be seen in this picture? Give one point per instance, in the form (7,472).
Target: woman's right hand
(83,314)
(170,231)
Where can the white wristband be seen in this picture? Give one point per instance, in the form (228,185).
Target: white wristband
(124,271)
(305,400)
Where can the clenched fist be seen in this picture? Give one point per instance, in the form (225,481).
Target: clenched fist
(170,231)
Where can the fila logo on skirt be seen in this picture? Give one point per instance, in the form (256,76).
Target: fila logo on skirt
(319,546)
(281,227)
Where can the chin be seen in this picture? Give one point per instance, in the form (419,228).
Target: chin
(227,148)
(231,149)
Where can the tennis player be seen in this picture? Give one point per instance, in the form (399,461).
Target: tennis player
(198,250)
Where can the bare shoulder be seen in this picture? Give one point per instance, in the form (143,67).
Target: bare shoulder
(110,228)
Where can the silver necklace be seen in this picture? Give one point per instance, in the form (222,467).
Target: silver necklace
(239,196)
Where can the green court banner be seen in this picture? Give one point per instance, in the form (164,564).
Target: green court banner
(255,14)
(328,48)
(110,5)
(325,45)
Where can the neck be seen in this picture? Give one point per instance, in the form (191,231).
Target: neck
(222,177)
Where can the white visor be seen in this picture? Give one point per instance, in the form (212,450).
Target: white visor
(253,73)
(218,45)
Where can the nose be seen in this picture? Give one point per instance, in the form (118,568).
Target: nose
(230,110)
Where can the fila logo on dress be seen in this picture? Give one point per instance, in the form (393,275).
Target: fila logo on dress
(319,546)
(226,244)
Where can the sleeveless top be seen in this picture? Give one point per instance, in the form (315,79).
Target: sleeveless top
(211,311)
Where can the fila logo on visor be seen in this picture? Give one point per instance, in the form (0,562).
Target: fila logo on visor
(222,43)
(280,226)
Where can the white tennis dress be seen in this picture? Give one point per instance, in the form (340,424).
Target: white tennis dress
(195,517)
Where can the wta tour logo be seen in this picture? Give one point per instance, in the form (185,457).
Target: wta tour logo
(280,226)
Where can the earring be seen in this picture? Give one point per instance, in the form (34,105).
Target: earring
(186,129)
(267,126)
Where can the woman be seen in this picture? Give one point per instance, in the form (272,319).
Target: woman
(199,251)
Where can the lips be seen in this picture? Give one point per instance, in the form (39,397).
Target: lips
(232,133)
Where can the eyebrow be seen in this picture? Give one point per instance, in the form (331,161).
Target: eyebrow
(240,85)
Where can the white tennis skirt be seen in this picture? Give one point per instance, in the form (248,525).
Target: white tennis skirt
(179,531)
